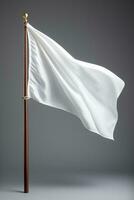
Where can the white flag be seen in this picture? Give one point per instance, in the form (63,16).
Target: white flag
(59,80)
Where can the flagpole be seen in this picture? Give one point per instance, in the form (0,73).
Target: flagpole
(25,98)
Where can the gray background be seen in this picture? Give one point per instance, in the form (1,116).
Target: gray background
(100,32)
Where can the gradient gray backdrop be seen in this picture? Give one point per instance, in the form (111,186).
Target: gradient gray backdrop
(100,32)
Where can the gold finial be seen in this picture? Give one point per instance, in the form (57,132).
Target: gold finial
(25,17)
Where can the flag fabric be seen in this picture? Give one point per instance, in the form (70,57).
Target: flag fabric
(57,79)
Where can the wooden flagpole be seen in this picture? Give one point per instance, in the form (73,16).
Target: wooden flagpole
(25,98)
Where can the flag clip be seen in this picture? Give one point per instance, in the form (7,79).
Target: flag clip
(25,97)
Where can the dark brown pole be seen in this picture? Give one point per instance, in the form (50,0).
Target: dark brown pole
(25,98)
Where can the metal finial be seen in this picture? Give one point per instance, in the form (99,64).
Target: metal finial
(25,17)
